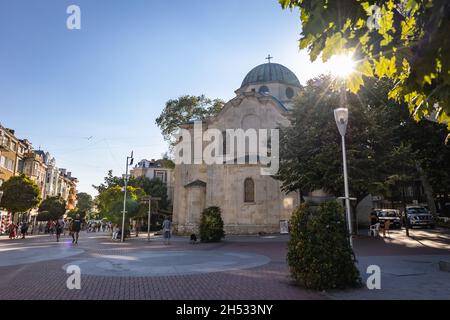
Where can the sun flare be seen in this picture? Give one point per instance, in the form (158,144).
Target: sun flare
(341,65)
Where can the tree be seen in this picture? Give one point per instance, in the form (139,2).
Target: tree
(84,203)
(154,187)
(55,207)
(110,203)
(73,213)
(185,109)
(419,152)
(386,149)
(109,181)
(404,41)
(310,150)
(43,216)
(20,194)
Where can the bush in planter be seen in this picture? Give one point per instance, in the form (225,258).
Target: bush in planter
(211,225)
(319,253)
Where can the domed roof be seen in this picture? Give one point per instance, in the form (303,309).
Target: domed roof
(269,72)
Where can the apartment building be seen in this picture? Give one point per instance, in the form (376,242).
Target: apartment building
(156,169)
(67,188)
(18,157)
(8,154)
(34,166)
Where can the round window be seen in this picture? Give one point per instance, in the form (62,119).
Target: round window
(263,89)
(289,93)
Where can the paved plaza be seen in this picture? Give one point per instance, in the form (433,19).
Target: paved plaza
(240,267)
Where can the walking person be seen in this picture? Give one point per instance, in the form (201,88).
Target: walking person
(51,228)
(374,224)
(75,228)
(167,228)
(24,229)
(18,232)
(387,225)
(115,231)
(65,226)
(59,228)
(12,230)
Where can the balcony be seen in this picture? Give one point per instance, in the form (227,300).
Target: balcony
(3,145)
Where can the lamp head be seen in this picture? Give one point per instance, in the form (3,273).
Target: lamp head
(341,117)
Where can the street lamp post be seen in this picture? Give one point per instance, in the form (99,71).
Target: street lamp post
(341,117)
(149,199)
(129,163)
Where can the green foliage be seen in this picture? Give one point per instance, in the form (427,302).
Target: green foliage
(407,45)
(211,225)
(110,202)
(55,207)
(43,216)
(73,213)
(319,254)
(84,203)
(109,181)
(185,109)
(310,150)
(154,187)
(385,146)
(20,194)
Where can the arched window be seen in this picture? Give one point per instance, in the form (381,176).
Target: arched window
(263,89)
(249,190)
(289,93)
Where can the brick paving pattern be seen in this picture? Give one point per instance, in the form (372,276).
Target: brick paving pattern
(47,279)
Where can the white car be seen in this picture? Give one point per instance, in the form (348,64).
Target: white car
(419,217)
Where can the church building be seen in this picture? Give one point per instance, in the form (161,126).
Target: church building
(249,201)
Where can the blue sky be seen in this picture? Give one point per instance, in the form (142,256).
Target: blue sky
(111,79)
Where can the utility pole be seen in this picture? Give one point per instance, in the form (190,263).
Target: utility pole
(129,163)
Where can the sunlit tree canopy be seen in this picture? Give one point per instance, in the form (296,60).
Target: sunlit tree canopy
(406,41)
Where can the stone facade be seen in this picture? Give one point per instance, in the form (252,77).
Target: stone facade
(198,186)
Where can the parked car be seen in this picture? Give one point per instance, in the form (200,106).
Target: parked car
(418,216)
(389,214)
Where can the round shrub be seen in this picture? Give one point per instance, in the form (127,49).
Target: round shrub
(319,253)
(211,225)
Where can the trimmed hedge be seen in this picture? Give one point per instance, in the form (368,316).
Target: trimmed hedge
(211,225)
(319,253)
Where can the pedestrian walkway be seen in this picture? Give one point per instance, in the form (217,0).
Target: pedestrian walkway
(240,267)
(403,278)
(237,268)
